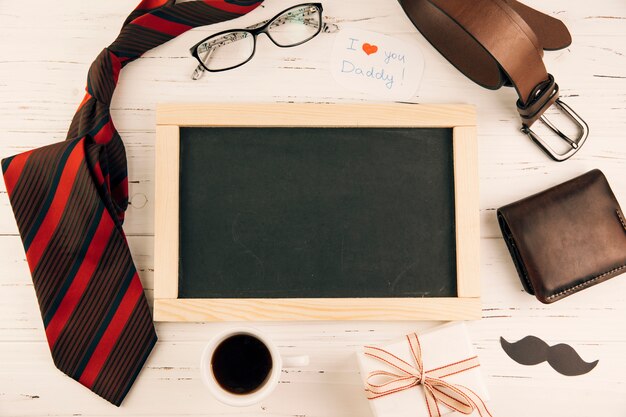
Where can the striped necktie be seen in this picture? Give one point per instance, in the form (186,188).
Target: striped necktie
(69,200)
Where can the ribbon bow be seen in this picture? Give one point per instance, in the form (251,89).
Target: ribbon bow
(436,389)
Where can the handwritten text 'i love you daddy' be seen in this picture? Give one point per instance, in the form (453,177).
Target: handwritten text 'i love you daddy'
(377,64)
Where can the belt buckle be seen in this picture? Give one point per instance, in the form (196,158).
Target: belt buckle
(575,144)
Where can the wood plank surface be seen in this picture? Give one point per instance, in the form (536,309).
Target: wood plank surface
(466,196)
(320,115)
(311,309)
(166,176)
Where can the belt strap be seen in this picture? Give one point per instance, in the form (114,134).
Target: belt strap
(499,43)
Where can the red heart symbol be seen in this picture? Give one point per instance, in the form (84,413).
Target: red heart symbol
(369,49)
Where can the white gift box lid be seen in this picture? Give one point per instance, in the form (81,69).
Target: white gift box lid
(440,346)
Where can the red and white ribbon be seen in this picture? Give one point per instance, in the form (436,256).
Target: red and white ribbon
(436,390)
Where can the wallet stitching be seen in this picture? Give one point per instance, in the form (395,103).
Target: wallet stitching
(586,283)
(621,218)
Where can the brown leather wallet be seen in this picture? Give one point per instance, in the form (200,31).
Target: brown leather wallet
(566,238)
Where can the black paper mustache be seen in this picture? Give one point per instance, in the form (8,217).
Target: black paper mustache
(562,358)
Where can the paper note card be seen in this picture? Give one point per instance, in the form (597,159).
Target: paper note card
(376,64)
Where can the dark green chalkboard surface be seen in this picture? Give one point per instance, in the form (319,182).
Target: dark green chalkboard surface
(316,213)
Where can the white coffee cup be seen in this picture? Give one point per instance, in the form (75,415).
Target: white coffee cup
(271,381)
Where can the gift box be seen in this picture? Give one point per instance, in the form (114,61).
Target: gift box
(448,379)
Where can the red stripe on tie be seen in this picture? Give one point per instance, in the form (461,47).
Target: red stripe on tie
(107,181)
(150,4)
(97,173)
(120,192)
(85,100)
(83,276)
(61,195)
(12,175)
(116,66)
(230,7)
(105,134)
(112,333)
(158,24)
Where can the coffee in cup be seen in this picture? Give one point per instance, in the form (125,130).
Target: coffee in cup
(242,366)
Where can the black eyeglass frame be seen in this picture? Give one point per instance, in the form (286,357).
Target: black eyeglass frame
(255,32)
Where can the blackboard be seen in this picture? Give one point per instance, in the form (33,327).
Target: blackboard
(316,212)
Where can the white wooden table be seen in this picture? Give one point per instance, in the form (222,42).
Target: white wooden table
(45,50)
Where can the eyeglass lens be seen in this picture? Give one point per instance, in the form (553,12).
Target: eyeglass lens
(295,25)
(290,28)
(226,51)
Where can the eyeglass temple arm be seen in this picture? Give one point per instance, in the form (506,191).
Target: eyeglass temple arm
(327,27)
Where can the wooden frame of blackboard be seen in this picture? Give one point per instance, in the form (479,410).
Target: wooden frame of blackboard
(460,118)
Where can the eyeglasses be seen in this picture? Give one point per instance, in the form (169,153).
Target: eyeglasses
(232,48)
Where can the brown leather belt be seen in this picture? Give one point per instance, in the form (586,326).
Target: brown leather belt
(499,43)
